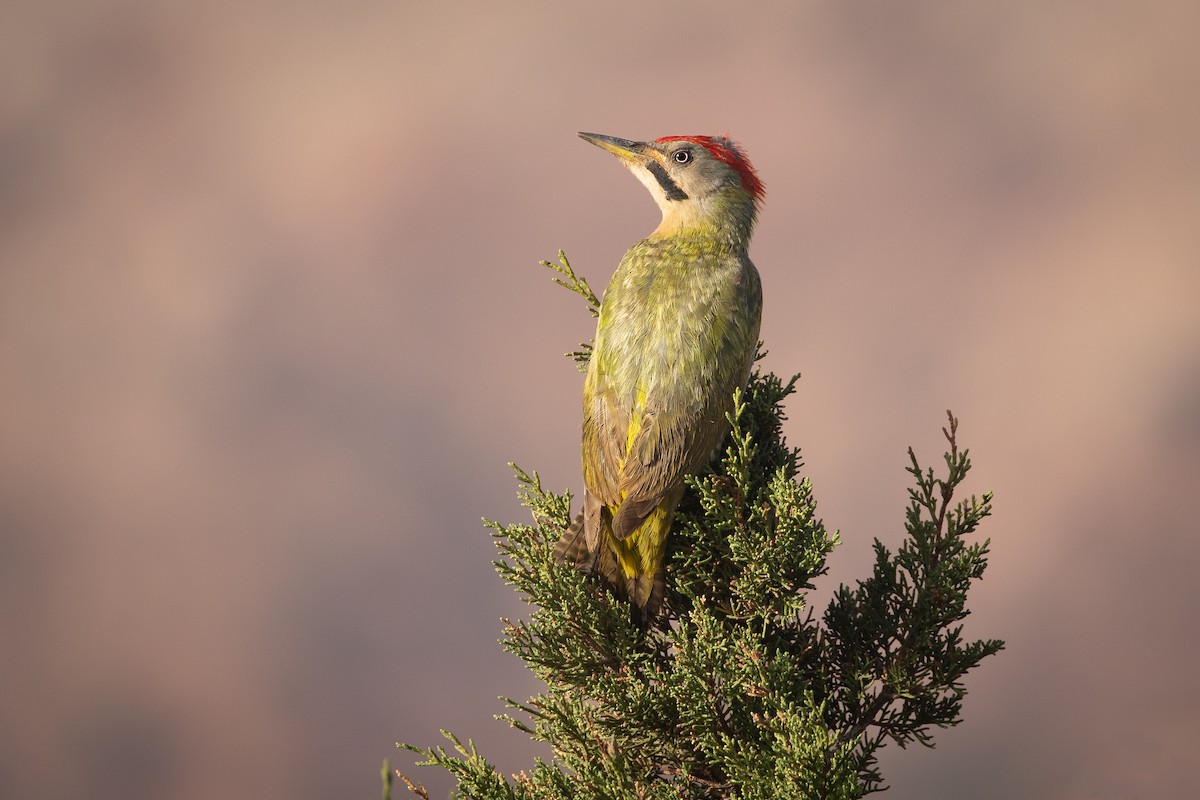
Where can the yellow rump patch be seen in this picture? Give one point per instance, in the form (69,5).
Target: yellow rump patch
(642,550)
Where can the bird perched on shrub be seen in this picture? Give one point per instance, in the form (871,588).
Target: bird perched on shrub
(677,334)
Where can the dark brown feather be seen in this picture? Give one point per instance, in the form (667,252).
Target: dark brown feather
(632,514)
(572,546)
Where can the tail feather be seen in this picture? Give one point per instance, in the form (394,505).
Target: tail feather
(633,565)
(579,546)
(572,546)
(647,592)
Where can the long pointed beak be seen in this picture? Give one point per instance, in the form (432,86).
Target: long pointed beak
(623,149)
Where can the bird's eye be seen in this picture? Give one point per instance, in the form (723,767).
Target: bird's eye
(683,156)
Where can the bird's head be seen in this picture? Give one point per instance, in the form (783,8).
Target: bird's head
(699,182)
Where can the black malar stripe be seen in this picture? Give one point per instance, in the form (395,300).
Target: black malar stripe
(670,188)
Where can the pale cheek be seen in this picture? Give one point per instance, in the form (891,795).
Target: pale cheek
(652,186)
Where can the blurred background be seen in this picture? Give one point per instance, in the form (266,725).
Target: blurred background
(271,325)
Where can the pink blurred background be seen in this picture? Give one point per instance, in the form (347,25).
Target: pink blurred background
(271,325)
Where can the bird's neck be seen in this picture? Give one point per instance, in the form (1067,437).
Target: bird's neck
(726,218)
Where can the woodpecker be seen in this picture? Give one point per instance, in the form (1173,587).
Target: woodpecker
(677,334)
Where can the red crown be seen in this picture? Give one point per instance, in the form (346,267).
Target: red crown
(724,149)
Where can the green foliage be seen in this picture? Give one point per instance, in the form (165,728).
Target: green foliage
(736,691)
(894,646)
(579,285)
